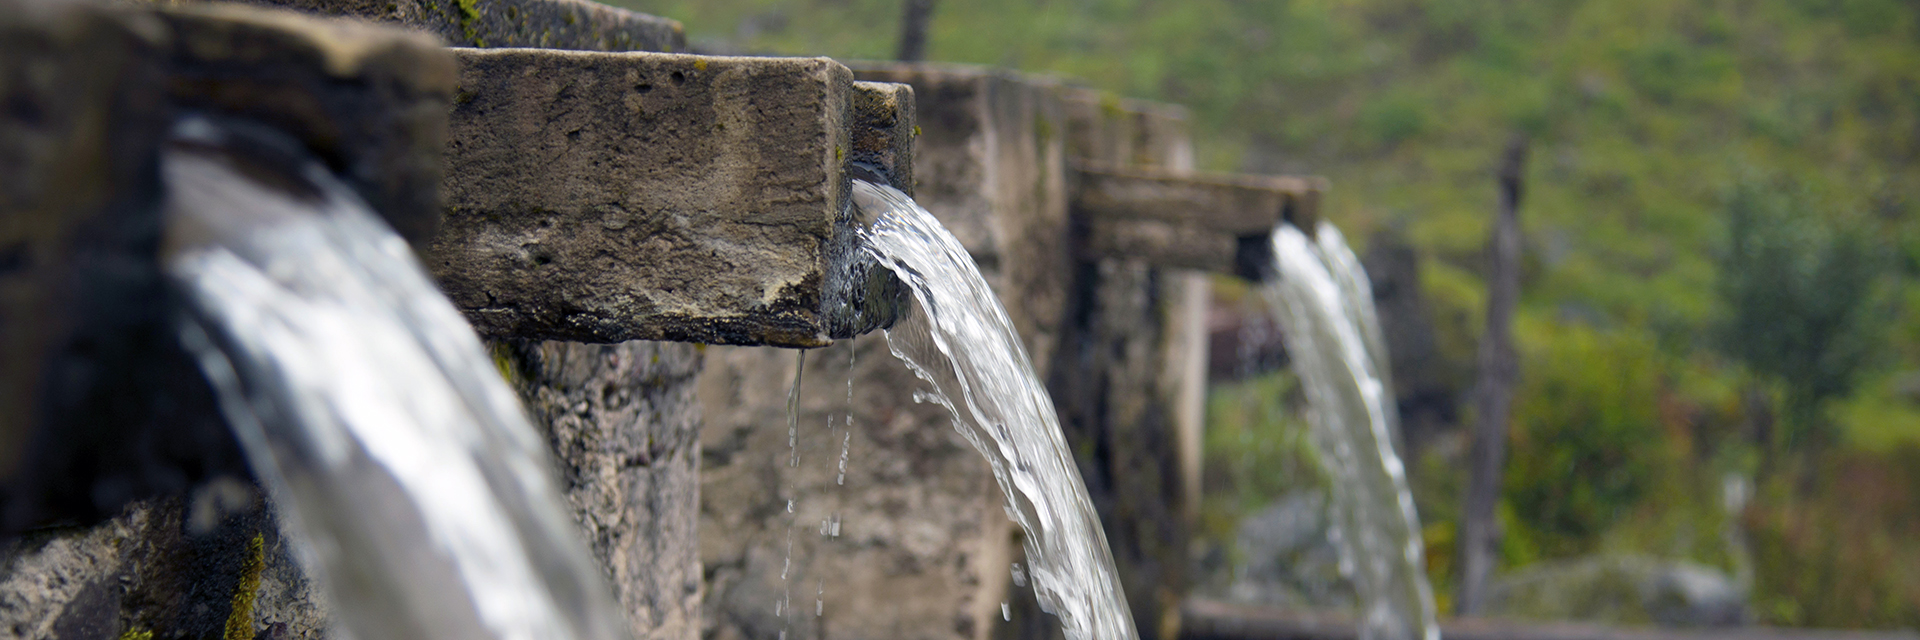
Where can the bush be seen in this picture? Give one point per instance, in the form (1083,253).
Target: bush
(1587,441)
(1802,301)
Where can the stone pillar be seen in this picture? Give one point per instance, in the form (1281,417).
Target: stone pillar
(623,422)
(924,548)
(1129,379)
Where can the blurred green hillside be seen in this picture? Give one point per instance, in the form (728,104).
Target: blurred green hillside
(1649,119)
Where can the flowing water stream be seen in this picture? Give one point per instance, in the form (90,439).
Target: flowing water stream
(964,346)
(401,463)
(1321,296)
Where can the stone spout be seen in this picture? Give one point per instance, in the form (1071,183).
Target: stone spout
(605,197)
(1213,222)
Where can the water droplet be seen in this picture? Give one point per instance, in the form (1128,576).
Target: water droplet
(1006,612)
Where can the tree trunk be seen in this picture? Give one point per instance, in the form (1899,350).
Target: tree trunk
(913,30)
(1493,394)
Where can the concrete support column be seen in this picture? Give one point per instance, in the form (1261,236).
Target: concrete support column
(1125,378)
(625,427)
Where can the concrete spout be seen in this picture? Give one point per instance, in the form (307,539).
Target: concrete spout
(1213,222)
(605,197)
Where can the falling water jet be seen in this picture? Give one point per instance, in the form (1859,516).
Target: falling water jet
(1319,293)
(1003,411)
(366,404)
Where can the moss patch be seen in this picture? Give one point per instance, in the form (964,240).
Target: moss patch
(240,620)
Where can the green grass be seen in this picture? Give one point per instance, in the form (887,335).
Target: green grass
(1643,114)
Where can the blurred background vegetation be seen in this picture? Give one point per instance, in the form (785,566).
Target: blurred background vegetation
(1722,225)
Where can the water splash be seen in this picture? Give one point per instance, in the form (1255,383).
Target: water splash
(965,347)
(421,496)
(1321,296)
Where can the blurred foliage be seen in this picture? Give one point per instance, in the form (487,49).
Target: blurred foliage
(1587,443)
(1256,451)
(1803,303)
(1656,355)
(1823,559)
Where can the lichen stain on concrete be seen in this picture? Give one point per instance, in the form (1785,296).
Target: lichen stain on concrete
(240,620)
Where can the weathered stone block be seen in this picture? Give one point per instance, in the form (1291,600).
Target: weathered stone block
(545,24)
(1237,205)
(883,133)
(99,406)
(1126,131)
(368,100)
(604,197)
(1179,219)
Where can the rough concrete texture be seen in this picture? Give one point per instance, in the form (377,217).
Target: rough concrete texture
(1179,219)
(1126,131)
(883,133)
(607,197)
(914,544)
(213,566)
(370,101)
(94,90)
(1236,205)
(545,24)
(925,548)
(624,424)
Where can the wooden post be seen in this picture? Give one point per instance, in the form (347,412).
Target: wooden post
(913,30)
(1493,393)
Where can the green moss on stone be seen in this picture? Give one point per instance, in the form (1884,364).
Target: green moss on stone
(469,15)
(240,619)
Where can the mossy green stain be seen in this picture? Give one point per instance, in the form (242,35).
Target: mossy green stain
(1110,105)
(469,15)
(136,634)
(504,362)
(246,590)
